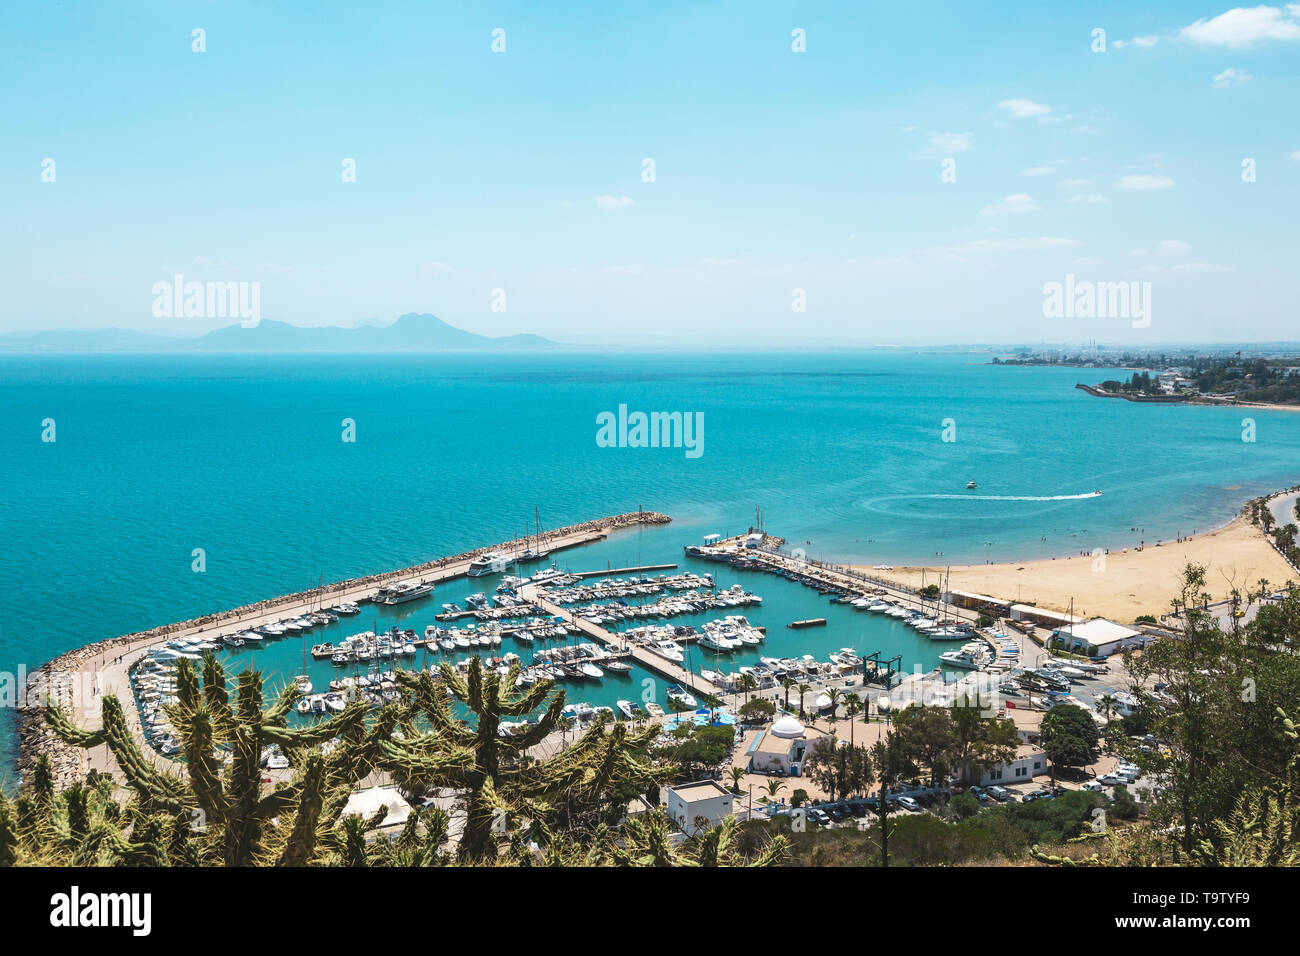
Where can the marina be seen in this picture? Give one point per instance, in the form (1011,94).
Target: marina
(609,637)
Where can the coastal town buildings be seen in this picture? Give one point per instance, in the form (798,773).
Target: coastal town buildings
(1098,637)
(698,806)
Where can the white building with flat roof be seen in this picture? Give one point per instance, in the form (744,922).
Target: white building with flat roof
(699,806)
(1099,637)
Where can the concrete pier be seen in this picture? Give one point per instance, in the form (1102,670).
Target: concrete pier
(646,659)
(83,676)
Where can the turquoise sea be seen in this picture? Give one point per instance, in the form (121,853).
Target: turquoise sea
(242,456)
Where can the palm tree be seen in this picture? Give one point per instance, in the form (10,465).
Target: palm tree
(737,774)
(787,683)
(1107,704)
(834,694)
(852,706)
(803,689)
(773,787)
(747,683)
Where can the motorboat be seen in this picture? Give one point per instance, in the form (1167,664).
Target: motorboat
(967,658)
(667,649)
(490,563)
(971,486)
(401,592)
(678,696)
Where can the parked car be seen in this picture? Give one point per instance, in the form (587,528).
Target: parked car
(907,803)
(1112,779)
(980,794)
(819,817)
(1128,771)
(1000,794)
(1093,785)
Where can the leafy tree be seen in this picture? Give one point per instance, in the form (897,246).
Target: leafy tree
(981,740)
(1069,736)
(889,763)
(965,805)
(928,737)
(839,769)
(1123,806)
(757,710)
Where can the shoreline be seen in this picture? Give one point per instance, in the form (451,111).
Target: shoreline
(1095,392)
(87,671)
(1122,584)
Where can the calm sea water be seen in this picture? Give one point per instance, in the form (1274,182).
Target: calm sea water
(845,454)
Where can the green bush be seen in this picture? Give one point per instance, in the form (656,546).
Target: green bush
(964,805)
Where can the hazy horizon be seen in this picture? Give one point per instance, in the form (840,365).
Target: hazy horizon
(676,177)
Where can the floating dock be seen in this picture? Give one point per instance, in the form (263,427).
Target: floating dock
(810,622)
(647,660)
(613,571)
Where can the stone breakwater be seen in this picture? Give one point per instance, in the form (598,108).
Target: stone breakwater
(58,681)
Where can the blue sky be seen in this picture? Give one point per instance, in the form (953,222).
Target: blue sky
(775,170)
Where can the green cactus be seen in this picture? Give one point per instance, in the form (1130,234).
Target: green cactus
(215,814)
(500,786)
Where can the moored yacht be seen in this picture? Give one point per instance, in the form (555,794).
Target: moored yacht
(401,592)
(489,563)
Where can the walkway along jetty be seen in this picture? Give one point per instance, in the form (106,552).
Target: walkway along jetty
(77,679)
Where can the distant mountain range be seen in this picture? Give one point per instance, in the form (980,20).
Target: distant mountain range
(413,332)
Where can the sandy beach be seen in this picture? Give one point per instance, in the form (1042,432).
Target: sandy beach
(1126,583)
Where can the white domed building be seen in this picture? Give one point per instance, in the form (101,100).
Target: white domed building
(783,747)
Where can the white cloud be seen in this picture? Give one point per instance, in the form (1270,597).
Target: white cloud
(1174,247)
(952,142)
(1022,108)
(1029,244)
(1072,183)
(1039,171)
(1136,253)
(1231,77)
(1145,42)
(1015,203)
(1200,267)
(1146,182)
(1296,154)
(1088,199)
(614,203)
(1244,26)
(719,261)
(201,261)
